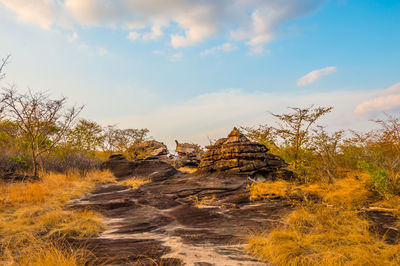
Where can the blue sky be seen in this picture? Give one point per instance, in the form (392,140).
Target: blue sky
(191,70)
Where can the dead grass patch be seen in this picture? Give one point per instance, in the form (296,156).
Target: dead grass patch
(330,232)
(33,219)
(189,170)
(135,183)
(203,202)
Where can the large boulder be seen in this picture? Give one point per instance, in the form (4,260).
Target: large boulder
(149,149)
(154,169)
(236,154)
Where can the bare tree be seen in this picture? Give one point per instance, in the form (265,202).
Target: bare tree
(326,146)
(3,63)
(294,128)
(43,121)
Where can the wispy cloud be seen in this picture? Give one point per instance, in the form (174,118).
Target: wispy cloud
(226,47)
(387,100)
(176,57)
(256,23)
(214,114)
(133,35)
(315,75)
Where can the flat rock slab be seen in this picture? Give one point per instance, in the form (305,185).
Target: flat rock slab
(187,219)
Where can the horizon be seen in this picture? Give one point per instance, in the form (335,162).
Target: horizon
(192,71)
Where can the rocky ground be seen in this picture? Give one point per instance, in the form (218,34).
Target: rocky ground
(184,219)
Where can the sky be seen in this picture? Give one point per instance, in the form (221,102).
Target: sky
(191,70)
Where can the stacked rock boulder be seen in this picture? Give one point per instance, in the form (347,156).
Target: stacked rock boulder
(236,154)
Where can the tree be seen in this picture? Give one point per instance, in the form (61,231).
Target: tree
(3,63)
(294,128)
(326,147)
(263,134)
(86,136)
(120,140)
(43,121)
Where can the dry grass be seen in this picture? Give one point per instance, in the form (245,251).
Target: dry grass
(203,202)
(32,215)
(330,232)
(135,183)
(189,170)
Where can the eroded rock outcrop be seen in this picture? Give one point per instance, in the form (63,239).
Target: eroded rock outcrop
(153,169)
(188,154)
(236,154)
(149,149)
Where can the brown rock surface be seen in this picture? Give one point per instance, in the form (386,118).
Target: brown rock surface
(185,219)
(237,154)
(148,149)
(123,168)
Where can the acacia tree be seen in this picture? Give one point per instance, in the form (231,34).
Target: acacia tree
(295,127)
(86,136)
(120,140)
(42,121)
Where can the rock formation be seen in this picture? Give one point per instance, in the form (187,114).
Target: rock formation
(149,149)
(153,169)
(236,154)
(188,154)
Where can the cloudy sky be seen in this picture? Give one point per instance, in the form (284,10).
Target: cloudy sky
(192,69)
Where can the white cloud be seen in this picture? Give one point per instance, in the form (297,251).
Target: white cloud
(214,114)
(155,33)
(133,35)
(226,47)
(387,100)
(40,12)
(73,37)
(256,22)
(315,75)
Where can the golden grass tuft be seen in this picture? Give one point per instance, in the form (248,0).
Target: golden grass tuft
(203,202)
(135,183)
(189,170)
(32,215)
(330,232)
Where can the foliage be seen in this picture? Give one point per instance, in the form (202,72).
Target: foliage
(120,140)
(86,136)
(42,121)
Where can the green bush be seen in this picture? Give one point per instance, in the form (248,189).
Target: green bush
(380,180)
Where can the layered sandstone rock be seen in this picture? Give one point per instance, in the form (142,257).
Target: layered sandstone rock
(237,154)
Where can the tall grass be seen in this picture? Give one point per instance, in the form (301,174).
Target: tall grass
(328,232)
(34,222)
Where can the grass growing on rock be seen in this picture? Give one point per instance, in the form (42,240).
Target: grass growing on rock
(34,222)
(329,231)
(135,183)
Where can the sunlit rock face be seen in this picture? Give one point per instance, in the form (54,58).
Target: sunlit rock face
(150,149)
(237,154)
